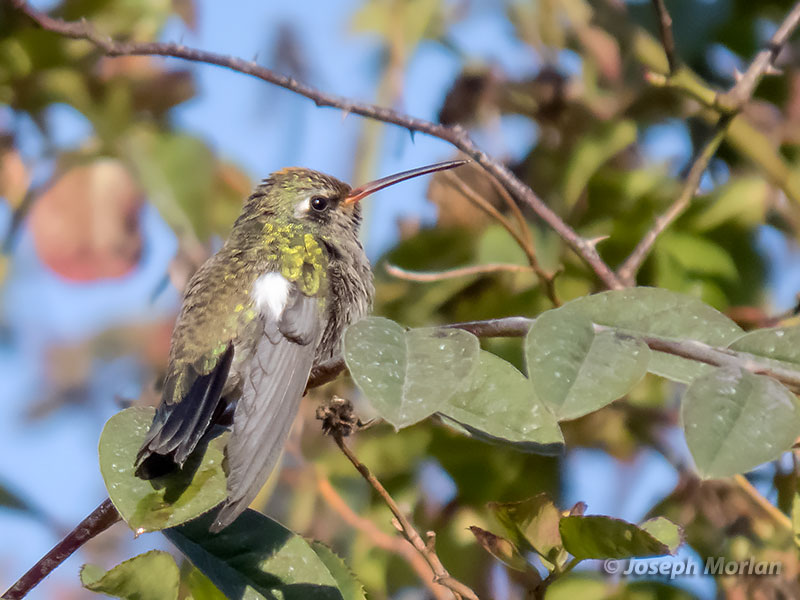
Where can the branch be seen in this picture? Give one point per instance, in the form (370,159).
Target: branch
(431,276)
(101,518)
(383,540)
(337,421)
(728,104)
(627,272)
(456,136)
(665,31)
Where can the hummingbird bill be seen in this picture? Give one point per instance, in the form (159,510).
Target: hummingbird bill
(256,318)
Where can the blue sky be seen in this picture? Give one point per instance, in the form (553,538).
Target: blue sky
(52,462)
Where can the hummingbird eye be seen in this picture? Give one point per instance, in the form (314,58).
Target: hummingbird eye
(319,203)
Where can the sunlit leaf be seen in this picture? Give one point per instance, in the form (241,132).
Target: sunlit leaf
(603,537)
(256,558)
(498,400)
(408,375)
(592,151)
(735,421)
(665,531)
(662,313)
(575,370)
(150,576)
(532,525)
(166,501)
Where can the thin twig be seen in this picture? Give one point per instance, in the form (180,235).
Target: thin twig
(426,550)
(768,507)
(627,272)
(381,539)
(728,104)
(456,135)
(522,237)
(665,32)
(431,276)
(101,518)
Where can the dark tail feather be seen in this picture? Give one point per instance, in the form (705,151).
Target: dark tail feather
(178,427)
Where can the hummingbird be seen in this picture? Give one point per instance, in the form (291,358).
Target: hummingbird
(256,318)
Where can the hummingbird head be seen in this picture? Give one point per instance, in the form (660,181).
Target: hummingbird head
(322,204)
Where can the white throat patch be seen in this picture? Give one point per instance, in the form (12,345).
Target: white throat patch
(270,293)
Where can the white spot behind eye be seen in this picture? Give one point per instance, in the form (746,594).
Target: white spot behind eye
(270,293)
(302,207)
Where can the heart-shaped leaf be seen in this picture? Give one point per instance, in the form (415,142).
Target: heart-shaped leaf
(150,576)
(408,375)
(735,421)
(257,558)
(498,402)
(576,370)
(166,501)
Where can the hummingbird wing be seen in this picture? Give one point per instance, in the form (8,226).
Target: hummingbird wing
(272,387)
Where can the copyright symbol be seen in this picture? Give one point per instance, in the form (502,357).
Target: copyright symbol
(611,566)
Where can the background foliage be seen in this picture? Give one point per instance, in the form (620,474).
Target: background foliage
(106,173)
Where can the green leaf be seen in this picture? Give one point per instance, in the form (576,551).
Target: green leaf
(780,344)
(150,576)
(665,531)
(698,255)
(742,201)
(166,501)
(796,519)
(734,421)
(498,401)
(604,537)
(592,151)
(575,370)
(532,525)
(501,549)
(257,558)
(408,375)
(200,587)
(346,581)
(662,313)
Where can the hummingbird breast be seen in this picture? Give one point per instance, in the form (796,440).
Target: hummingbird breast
(351,291)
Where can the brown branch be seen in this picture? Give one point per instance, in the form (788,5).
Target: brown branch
(728,104)
(381,539)
(101,518)
(523,241)
(426,550)
(431,276)
(456,136)
(775,513)
(665,32)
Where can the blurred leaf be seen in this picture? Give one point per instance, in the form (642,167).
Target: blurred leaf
(743,200)
(498,400)
(408,375)
(698,255)
(665,531)
(150,576)
(580,586)
(346,582)
(501,549)
(603,537)
(532,525)
(735,421)
(796,519)
(257,558)
(576,371)
(86,226)
(14,177)
(406,20)
(166,501)
(663,313)
(591,152)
